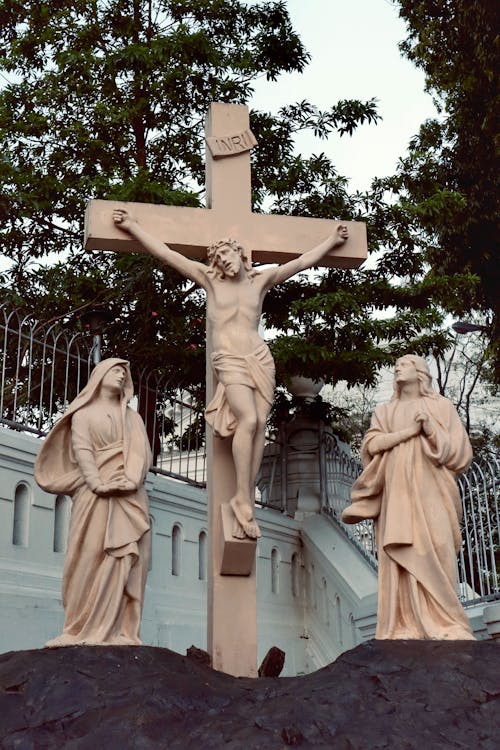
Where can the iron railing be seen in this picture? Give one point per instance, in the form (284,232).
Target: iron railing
(340,470)
(44,365)
(479,558)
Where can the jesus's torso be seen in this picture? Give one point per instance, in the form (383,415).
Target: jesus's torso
(233,310)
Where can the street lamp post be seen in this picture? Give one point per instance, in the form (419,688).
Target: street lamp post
(463,326)
(95,320)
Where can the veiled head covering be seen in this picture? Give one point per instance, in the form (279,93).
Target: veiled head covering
(55,468)
(95,380)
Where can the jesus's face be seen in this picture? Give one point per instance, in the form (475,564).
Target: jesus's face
(228,260)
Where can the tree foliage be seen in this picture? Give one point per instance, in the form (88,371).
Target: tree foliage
(451,173)
(107,99)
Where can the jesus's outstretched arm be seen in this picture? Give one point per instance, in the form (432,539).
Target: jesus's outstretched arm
(189,268)
(282,273)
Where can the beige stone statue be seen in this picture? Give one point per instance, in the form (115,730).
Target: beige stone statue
(241,360)
(411,453)
(98,453)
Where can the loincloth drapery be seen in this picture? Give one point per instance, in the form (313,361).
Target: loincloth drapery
(255,370)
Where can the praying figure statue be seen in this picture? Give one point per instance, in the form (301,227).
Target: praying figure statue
(241,361)
(412,452)
(98,453)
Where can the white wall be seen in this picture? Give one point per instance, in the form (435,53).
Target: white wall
(316,594)
(175,605)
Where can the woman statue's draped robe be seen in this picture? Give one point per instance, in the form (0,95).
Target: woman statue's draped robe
(109,540)
(411,492)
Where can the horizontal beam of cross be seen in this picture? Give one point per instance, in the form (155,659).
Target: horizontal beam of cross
(271,238)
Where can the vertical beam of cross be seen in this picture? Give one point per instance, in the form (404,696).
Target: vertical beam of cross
(232,605)
(232,600)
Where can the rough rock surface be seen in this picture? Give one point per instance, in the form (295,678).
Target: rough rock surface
(400,694)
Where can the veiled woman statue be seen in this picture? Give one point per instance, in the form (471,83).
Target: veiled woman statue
(415,447)
(98,453)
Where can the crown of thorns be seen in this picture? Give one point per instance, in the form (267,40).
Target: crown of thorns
(212,249)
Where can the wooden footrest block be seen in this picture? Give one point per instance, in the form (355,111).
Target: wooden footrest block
(237,555)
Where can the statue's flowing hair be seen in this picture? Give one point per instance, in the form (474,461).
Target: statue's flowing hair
(212,262)
(423,375)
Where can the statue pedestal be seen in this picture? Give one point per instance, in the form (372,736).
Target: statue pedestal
(237,555)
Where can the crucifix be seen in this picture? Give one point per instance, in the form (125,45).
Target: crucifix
(240,369)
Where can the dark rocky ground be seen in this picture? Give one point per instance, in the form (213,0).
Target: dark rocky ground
(399,695)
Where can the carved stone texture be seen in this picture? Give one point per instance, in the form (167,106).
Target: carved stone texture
(411,453)
(98,453)
(237,556)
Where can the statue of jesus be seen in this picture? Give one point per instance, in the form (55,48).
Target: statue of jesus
(241,361)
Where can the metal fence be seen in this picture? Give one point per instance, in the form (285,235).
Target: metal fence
(329,470)
(340,470)
(44,366)
(479,558)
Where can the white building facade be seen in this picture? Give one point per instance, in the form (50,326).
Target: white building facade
(316,593)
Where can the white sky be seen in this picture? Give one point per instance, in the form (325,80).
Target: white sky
(354,55)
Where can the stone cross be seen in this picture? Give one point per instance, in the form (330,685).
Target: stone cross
(232,606)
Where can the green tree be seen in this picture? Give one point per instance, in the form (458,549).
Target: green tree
(107,99)
(451,173)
